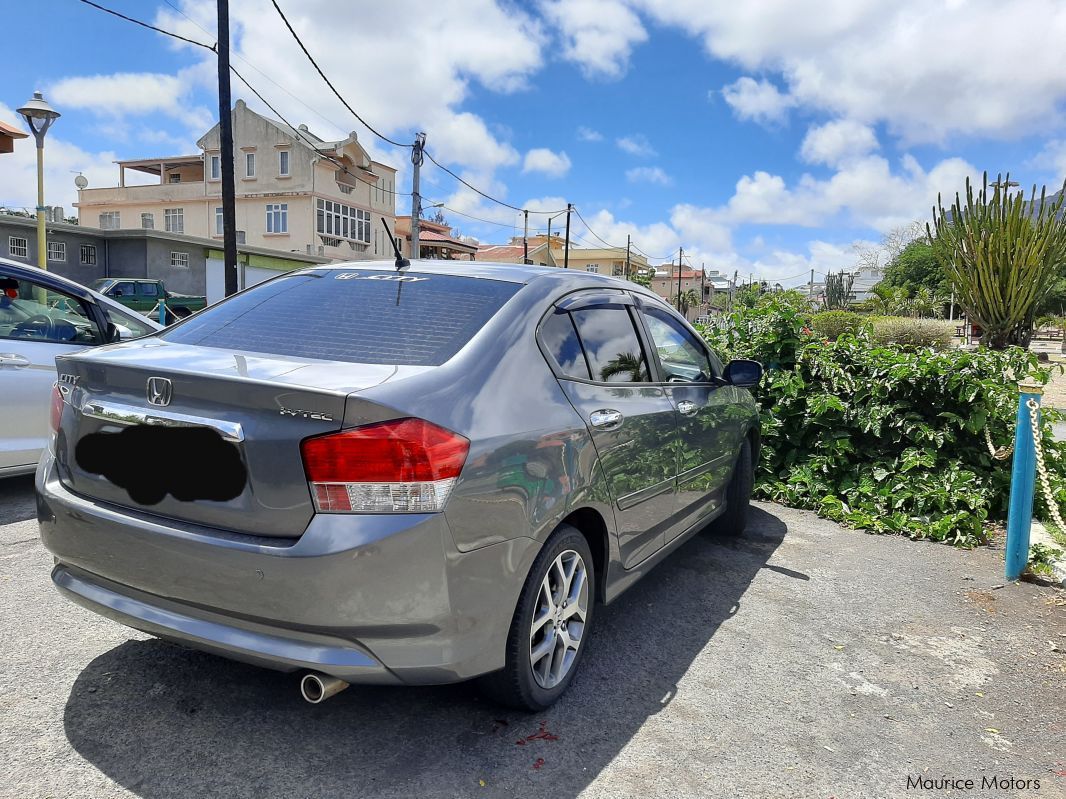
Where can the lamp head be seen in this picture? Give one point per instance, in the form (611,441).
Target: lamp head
(38,114)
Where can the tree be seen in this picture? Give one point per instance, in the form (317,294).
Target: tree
(689,299)
(917,267)
(1003,256)
(642,277)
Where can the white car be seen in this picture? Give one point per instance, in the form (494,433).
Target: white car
(41,316)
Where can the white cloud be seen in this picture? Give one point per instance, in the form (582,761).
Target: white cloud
(588,134)
(865,191)
(18,177)
(597,35)
(927,70)
(837,141)
(1051,160)
(552,164)
(477,41)
(648,174)
(637,145)
(758,101)
(121,93)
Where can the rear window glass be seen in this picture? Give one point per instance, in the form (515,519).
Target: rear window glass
(611,344)
(358,316)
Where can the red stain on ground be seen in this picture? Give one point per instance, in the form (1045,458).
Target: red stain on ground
(538,763)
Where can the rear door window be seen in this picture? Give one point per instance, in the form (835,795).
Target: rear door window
(611,344)
(149,289)
(559,338)
(360,316)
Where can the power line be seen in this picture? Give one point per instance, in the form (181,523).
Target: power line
(146,25)
(295,97)
(310,143)
(496,200)
(318,69)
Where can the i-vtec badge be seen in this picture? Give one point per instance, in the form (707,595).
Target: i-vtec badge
(302,414)
(401,278)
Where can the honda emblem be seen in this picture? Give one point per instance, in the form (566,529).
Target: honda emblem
(160,390)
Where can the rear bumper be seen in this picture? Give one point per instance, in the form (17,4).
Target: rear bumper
(374,599)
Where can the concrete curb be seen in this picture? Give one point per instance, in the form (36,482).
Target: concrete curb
(1038,534)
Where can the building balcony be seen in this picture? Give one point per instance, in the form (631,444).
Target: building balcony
(141,195)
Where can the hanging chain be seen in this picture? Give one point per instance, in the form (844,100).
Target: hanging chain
(1000,454)
(1041,469)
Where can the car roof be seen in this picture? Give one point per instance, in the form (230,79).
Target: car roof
(489,270)
(47,279)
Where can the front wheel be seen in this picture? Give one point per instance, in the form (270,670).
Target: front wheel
(550,627)
(737,495)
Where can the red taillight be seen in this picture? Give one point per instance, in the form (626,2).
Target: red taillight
(56,414)
(400,466)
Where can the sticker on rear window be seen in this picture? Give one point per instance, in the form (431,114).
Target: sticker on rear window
(402,278)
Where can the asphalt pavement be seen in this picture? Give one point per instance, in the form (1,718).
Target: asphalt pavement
(802,660)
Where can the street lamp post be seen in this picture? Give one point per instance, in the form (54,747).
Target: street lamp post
(39,116)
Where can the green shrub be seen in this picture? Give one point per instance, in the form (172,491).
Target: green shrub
(912,333)
(833,324)
(887,438)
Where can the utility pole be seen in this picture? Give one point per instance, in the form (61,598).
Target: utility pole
(416,198)
(703,280)
(680,255)
(810,288)
(525,239)
(566,252)
(225,132)
(628,237)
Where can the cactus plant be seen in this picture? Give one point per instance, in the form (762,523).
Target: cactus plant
(838,290)
(1001,254)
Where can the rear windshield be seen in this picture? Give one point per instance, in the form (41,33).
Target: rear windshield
(359,316)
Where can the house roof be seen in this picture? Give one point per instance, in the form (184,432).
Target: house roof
(432,235)
(11,132)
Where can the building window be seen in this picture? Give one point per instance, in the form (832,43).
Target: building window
(345,189)
(109,220)
(343,221)
(216,167)
(57,251)
(249,165)
(174,177)
(17,247)
(277,217)
(592,268)
(88,254)
(283,163)
(219,224)
(148,221)
(180,259)
(174,220)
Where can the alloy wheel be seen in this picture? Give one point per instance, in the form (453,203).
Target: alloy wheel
(558,626)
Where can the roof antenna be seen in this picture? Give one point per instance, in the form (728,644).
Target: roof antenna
(401,262)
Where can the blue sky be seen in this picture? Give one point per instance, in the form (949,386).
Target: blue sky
(767,138)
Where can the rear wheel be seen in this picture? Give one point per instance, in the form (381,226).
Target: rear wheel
(737,496)
(550,625)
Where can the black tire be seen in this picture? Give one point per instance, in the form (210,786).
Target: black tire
(515,685)
(734,518)
(181,312)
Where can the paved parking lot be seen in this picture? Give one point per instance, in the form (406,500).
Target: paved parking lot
(803,660)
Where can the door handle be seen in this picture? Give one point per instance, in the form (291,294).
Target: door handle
(686,408)
(14,360)
(605,419)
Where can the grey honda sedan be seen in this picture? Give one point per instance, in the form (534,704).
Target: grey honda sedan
(372,474)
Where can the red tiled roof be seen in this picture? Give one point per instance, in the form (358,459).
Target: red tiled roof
(14,133)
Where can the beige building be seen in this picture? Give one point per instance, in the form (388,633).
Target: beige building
(295,192)
(604,261)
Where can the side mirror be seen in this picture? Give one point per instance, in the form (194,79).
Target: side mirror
(113,333)
(743,373)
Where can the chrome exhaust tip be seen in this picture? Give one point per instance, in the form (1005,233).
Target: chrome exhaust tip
(316,688)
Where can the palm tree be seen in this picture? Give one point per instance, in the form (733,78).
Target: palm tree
(689,299)
(625,363)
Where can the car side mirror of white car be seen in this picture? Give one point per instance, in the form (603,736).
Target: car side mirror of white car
(113,333)
(743,373)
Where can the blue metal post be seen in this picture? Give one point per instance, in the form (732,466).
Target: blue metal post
(162,313)
(1022,484)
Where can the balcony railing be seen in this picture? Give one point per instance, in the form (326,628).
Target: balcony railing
(153,192)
